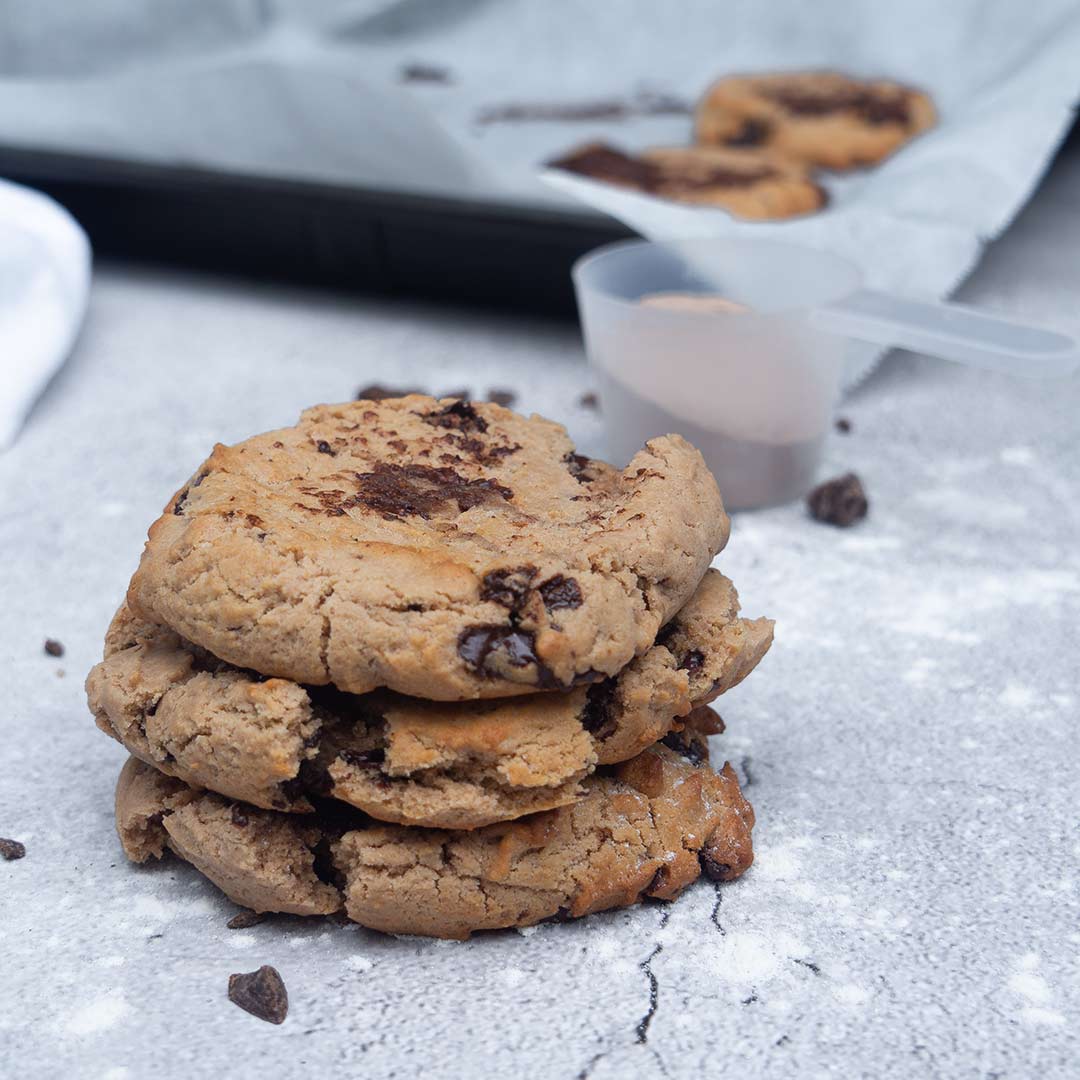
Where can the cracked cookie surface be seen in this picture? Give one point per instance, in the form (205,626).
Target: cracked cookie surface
(645,828)
(276,744)
(440,548)
(820,118)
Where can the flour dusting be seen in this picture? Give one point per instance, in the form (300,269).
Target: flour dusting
(101,1013)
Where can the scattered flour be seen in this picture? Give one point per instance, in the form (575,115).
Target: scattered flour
(101,1013)
(359,964)
(1017,696)
(1027,983)
(921,671)
(1022,456)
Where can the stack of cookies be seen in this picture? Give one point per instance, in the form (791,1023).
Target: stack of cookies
(419,661)
(760,139)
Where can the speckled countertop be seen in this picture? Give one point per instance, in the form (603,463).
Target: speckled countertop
(910,744)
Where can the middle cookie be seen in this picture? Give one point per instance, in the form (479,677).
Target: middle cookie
(461,765)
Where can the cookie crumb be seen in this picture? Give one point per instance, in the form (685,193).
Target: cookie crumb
(261,993)
(245,920)
(506,398)
(589,401)
(843,425)
(11,849)
(53,647)
(840,501)
(425,73)
(60,672)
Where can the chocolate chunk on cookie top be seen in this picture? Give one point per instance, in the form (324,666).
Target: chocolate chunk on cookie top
(442,548)
(820,117)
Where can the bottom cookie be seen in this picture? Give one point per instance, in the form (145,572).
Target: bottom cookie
(645,828)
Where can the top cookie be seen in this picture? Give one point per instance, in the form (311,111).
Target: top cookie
(819,117)
(444,549)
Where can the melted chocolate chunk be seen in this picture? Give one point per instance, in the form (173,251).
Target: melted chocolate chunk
(659,880)
(560,592)
(509,587)
(578,466)
(238,816)
(841,501)
(53,647)
(460,415)
(363,758)
(420,490)
(261,993)
(325,448)
(686,746)
(692,662)
(10,850)
(754,132)
(479,644)
(713,868)
(873,108)
(178,506)
(598,719)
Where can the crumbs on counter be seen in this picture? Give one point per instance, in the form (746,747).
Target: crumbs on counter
(843,425)
(53,647)
(589,400)
(426,73)
(840,501)
(261,993)
(11,849)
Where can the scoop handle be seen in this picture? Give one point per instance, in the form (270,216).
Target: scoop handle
(952,332)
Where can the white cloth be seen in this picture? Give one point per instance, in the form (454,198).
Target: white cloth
(44,281)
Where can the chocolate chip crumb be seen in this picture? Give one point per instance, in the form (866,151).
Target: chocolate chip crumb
(694,750)
(245,920)
(506,398)
(325,448)
(843,425)
(53,647)
(261,993)
(459,415)
(238,816)
(378,392)
(840,501)
(11,849)
(589,401)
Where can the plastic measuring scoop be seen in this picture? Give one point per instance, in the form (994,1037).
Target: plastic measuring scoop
(755,391)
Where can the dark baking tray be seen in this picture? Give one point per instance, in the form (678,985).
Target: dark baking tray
(363,240)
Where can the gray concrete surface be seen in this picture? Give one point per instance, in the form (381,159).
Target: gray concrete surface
(910,745)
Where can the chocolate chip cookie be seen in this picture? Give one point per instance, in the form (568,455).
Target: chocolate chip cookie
(819,118)
(645,828)
(756,186)
(444,549)
(277,744)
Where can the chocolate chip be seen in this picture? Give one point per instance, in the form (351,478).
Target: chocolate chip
(598,718)
(378,392)
(459,415)
(425,73)
(589,401)
(238,815)
(506,398)
(415,490)
(578,467)
(560,592)
(479,644)
(11,849)
(713,868)
(178,506)
(509,586)
(245,920)
(843,425)
(261,993)
(359,758)
(692,662)
(686,746)
(753,132)
(325,448)
(841,501)
(53,647)
(659,881)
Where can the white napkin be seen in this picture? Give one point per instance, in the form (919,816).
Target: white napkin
(44,281)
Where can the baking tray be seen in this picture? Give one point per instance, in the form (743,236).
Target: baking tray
(356,239)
